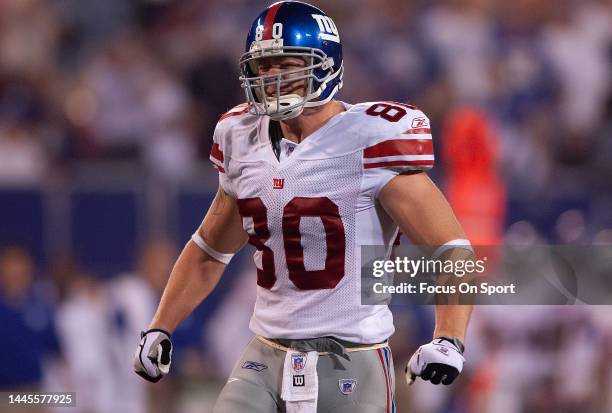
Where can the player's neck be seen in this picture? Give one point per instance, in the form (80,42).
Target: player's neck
(311,119)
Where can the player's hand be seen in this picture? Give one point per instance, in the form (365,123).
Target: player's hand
(153,355)
(440,361)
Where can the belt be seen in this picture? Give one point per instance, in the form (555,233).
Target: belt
(323,345)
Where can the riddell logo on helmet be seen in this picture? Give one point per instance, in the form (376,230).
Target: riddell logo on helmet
(420,122)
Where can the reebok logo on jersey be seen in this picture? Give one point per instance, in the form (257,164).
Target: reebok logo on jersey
(278,183)
(253,365)
(419,123)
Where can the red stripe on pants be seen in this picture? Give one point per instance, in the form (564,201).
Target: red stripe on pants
(382,361)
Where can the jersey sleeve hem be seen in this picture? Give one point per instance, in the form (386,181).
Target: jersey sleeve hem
(382,182)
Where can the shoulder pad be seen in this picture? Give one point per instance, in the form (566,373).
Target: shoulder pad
(396,136)
(233,124)
(235,111)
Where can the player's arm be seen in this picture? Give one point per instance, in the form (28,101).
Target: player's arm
(423,214)
(419,208)
(195,274)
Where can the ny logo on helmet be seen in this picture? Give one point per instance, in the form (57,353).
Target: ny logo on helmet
(327,26)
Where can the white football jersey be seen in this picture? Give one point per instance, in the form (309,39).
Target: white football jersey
(309,213)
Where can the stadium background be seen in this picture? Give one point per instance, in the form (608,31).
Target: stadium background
(106,118)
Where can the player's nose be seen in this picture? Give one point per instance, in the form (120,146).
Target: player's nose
(271,82)
(272,87)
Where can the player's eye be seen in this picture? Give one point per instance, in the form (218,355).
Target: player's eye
(293,64)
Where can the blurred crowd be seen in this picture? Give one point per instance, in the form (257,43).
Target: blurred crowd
(146,80)
(520,98)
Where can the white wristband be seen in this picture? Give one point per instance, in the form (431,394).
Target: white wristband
(219,256)
(452,244)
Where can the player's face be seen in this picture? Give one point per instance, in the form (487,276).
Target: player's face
(270,66)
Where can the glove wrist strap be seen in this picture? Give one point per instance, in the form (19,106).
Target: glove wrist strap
(152,330)
(454,341)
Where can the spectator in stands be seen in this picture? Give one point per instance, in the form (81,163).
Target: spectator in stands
(26,319)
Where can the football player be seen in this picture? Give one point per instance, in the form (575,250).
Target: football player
(307,180)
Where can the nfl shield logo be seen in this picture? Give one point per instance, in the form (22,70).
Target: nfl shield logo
(298,361)
(347,386)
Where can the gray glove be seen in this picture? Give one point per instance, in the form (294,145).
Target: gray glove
(153,355)
(440,361)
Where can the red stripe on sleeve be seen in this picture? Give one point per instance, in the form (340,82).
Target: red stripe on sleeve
(216,152)
(398,147)
(269,21)
(233,112)
(417,131)
(406,105)
(398,163)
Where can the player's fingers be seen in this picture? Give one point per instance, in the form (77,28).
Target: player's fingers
(164,355)
(440,373)
(142,371)
(146,359)
(450,376)
(436,377)
(410,376)
(428,372)
(436,374)
(150,363)
(411,369)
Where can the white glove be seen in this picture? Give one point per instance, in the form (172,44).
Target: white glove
(153,355)
(440,361)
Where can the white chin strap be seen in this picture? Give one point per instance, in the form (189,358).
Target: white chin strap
(275,107)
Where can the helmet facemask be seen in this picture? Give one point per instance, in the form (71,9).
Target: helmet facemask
(317,71)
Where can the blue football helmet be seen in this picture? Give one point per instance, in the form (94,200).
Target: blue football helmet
(292,29)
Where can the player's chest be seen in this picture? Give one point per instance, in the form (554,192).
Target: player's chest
(267,178)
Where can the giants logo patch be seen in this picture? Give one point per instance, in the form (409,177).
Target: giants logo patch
(278,183)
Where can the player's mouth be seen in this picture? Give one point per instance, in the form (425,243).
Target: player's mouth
(292,88)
